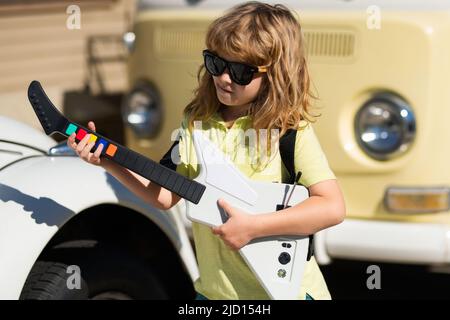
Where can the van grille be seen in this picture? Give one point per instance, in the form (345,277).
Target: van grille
(188,44)
(179,44)
(337,44)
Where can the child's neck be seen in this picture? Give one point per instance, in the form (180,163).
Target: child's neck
(231,113)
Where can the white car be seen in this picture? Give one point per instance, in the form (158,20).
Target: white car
(69,230)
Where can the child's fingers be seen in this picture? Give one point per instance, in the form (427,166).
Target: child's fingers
(72,137)
(91,125)
(97,152)
(87,149)
(217,231)
(71,141)
(83,143)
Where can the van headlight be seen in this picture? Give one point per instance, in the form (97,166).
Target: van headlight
(142,111)
(385,126)
(129,40)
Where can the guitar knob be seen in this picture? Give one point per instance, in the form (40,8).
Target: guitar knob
(284,258)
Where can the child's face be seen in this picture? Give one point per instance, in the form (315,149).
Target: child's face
(231,94)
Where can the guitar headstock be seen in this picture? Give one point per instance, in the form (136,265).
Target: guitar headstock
(50,118)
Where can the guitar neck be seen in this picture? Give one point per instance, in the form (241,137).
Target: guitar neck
(53,121)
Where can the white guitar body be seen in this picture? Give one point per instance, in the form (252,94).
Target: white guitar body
(279,261)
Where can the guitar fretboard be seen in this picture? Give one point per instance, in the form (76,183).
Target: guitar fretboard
(53,121)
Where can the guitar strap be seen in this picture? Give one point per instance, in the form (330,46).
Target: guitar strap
(287,148)
(287,152)
(166,160)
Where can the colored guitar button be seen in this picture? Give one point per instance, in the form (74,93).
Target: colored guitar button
(71,128)
(111,151)
(92,138)
(80,134)
(104,143)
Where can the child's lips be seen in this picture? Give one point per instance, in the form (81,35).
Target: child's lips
(224,90)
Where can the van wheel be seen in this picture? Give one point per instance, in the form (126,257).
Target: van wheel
(106,274)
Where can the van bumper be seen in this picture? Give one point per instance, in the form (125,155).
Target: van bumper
(382,241)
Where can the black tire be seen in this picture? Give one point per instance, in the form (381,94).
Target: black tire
(107,273)
(48,281)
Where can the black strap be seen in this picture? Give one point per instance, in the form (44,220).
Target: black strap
(287,152)
(166,160)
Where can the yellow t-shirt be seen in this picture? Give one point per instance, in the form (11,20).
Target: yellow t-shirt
(223,272)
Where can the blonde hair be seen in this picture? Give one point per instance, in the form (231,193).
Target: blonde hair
(260,34)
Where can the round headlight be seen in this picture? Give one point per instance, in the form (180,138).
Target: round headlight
(129,40)
(385,126)
(142,111)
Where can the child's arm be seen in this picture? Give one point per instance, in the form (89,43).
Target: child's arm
(150,192)
(324,208)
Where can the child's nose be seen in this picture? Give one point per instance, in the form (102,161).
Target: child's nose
(225,76)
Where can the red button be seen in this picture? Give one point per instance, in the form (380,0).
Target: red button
(80,134)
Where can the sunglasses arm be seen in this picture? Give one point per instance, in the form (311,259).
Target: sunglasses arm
(262,68)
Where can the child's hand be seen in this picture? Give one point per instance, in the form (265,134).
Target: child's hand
(237,231)
(83,148)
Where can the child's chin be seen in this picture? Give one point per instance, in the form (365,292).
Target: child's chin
(226,102)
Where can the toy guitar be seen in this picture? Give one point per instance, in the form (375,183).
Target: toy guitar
(278,261)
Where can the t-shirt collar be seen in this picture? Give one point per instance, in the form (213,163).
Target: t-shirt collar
(217,117)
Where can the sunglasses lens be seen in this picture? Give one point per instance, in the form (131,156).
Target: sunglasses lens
(214,65)
(241,73)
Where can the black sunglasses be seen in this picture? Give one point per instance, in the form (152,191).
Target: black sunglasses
(240,73)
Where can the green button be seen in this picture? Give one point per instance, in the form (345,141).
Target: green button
(71,129)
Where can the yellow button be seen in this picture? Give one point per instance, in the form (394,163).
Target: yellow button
(92,138)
